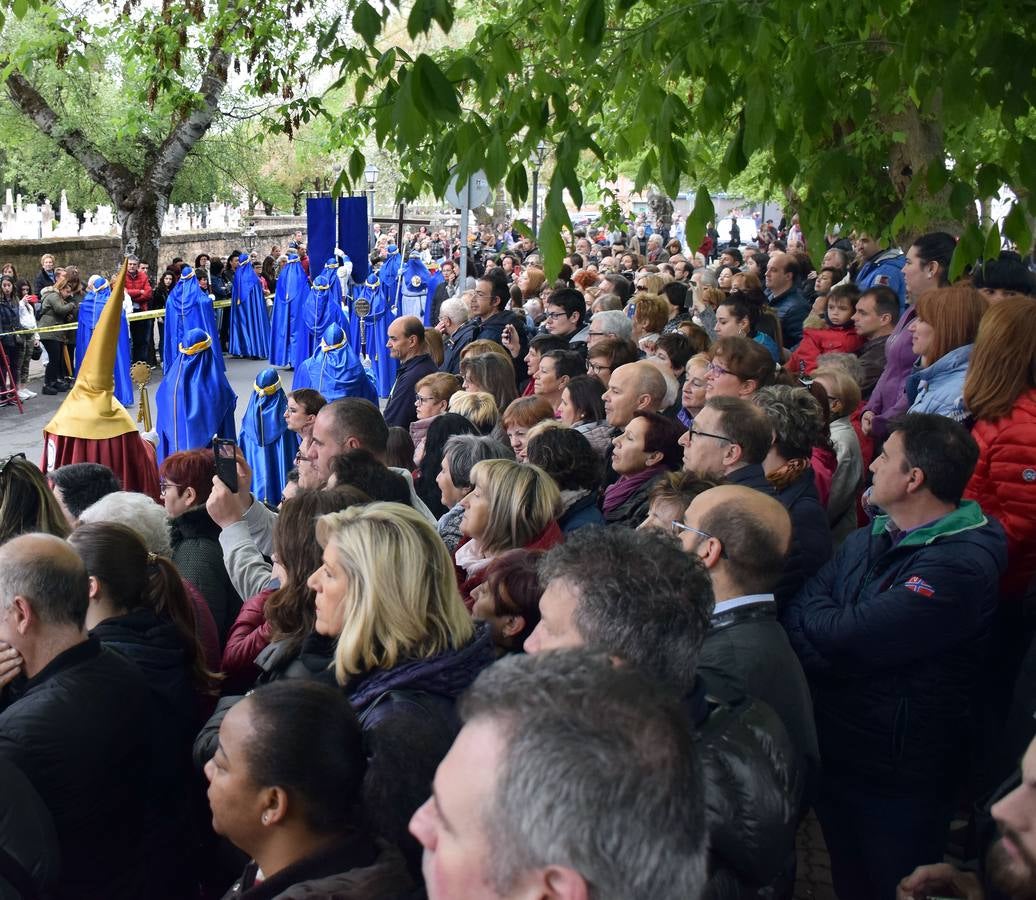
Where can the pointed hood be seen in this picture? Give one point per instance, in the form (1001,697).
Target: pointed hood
(90,410)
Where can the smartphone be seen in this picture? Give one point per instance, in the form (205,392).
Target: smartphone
(225,452)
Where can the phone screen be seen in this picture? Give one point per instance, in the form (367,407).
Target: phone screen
(226,462)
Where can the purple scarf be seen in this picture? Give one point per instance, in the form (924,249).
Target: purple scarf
(627,485)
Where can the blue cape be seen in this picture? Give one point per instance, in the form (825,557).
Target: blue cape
(194,400)
(335,370)
(433,286)
(265,440)
(333,282)
(187,307)
(89,312)
(414,295)
(375,332)
(249,320)
(388,274)
(292,288)
(316,312)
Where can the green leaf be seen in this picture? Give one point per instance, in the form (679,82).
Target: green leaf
(420,18)
(496,159)
(367,22)
(1016,228)
(517,184)
(432,89)
(703,213)
(993,244)
(551,245)
(961,198)
(936,176)
(589,23)
(356,166)
(21,7)
(969,249)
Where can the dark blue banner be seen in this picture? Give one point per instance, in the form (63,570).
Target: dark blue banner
(320,232)
(353,234)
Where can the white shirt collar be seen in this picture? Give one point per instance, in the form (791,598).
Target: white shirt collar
(723,606)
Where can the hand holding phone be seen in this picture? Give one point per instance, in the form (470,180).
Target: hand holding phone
(225,452)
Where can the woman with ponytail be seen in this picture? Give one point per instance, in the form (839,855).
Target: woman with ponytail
(139,607)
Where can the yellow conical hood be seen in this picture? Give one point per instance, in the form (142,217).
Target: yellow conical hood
(90,410)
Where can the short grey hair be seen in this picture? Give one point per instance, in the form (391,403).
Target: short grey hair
(139,513)
(632,824)
(454,310)
(614,321)
(54,582)
(795,417)
(850,362)
(662,633)
(708,277)
(463,451)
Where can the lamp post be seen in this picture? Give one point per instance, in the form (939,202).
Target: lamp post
(537,164)
(371,174)
(249,237)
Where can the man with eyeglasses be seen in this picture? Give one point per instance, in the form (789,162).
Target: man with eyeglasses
(609,323)
(742,536)
(729,439)
(753,765)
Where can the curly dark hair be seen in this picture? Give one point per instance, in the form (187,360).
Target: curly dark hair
(567,457)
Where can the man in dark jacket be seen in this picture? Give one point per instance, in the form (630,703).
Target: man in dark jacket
(877,312)
(742,537)
(406,343)
(78,722)
(458,330)
(491,298)
(729,440)
(782,274)
(754,772)
(890,633)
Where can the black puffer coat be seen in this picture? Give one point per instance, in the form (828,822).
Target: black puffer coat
(754,788)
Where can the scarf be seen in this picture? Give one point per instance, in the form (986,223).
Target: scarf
(787,474)
(617,494)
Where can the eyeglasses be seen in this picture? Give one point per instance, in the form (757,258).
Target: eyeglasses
(421,399)
(694,433)
(597,334)
(163,485)
(7,462)
(596,368)
(556,315)
(679,526)
(713,369)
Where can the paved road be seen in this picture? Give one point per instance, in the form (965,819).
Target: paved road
(24,433)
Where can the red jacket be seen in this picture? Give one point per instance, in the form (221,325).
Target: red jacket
(1004,484)
(139,289)
(547,538)
(249,634)
(816,341)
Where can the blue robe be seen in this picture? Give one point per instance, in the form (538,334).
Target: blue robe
(267,443)
(375,331)
(249,320)
(335,370)
(292,288)
(194,401)
(89,312)
(433,286)
(414,296)
(388,274)
(333,282)
(187,307)
(316,312)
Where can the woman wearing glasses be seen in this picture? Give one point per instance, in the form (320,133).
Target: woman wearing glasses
(432,398)
(738,368)
(606,356)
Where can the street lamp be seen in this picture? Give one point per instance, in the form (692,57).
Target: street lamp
(371,174)
(537,164)
(250,237)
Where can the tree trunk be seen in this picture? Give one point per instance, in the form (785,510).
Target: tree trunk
(296,203)
(499,208)
(142,229)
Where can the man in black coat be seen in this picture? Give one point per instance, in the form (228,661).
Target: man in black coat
(754,772)
(77,720)
(742,536)
(407,344)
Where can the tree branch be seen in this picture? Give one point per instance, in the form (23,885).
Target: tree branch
(116,178)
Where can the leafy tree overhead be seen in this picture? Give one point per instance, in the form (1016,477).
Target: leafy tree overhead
(893,117)
(174,64)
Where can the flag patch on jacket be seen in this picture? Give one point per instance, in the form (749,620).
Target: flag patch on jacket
(918,585)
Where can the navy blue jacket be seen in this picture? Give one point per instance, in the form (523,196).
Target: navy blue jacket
(400,409)
(581,513)
(811,542)
(891,637)
(455,344)
(792,309)
(751,476)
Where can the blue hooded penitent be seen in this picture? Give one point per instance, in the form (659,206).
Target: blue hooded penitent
(195,401)
(316,312)
(414,298)
(249,320)
(388,274)
(333,281)
(267,443)
(335,370)
(186,308)
(292,288)
(433,285)
(97,295)
(368,332)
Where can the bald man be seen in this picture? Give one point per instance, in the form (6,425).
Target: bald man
(79,720)
(741,536)
(406,343)
(634,387)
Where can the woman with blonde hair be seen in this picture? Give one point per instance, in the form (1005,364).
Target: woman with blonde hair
(1000,393)
(511,505)
(843,397)
(650,315)
(479,408)
(432,398)
(406,649)
(943,334)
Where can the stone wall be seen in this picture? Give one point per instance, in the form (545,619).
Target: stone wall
(104,254)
